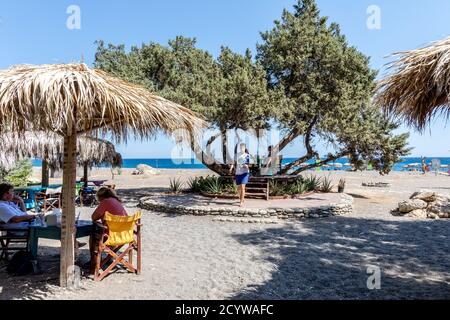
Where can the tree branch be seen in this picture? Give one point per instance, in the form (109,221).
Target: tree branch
(322,162)
(310,153)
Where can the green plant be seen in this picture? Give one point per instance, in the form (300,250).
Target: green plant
(327,185)
(176,185)
(298,187)
(212,185)
(20,174)
(194,184)
(230,188)
(313,183)
(341,185)
(277,189)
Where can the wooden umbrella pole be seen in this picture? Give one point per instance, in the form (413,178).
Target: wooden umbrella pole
(68,228)
(85,174)
(45,173)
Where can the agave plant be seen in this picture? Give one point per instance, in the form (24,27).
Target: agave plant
(277,188)
(176,184)
(313,183)
(194,184)
(230,188)
(212,185)
(326,185)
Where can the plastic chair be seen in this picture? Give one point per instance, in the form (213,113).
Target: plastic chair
(122,232)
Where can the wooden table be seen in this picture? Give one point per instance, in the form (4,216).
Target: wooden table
(84,229)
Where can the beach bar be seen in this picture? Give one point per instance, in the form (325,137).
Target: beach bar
(73,99)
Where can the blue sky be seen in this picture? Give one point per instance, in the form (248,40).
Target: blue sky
(35,32)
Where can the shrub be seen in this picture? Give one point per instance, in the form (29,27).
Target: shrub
(313,183)
(326,185)
(212,185)
(20,174)
(194,184)
(277,188)
(176,185)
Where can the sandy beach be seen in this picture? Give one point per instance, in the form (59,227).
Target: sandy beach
(188,257)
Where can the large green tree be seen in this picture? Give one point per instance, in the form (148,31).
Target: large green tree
(306,79)
(231,92)
(330,84)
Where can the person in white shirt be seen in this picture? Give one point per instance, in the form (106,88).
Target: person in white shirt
(12,207)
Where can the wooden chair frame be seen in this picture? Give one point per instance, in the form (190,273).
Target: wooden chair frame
(117,257)
(47,202)
(8,237)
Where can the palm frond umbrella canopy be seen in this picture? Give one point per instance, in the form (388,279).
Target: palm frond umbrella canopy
(418,87)
(73,99)
(49,147)
(7,161)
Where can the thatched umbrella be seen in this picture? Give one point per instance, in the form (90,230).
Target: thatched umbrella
(6,161)
(73,99)
(49,147)
(419,86)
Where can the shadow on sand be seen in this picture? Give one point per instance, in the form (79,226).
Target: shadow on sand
(45,282)
(328,259)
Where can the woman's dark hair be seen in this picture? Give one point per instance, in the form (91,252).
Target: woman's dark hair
(106,193)
(4,188)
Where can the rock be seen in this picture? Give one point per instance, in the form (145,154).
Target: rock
(427,196)
(411,205)
(147,170)
(419,213)
(441,208)
(432,215)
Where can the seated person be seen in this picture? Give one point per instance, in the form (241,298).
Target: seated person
(109,202)
(12,207)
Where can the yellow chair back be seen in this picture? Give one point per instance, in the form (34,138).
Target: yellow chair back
(121,229)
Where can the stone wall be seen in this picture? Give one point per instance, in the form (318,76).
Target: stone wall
(345,206)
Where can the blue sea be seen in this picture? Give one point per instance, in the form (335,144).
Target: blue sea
(195,164)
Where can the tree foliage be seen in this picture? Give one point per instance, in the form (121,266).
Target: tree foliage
(19,175)
(330,84)
(306,79)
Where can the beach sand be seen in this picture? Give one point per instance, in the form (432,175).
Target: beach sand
(187,257)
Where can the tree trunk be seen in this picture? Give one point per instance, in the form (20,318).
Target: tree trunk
(207,160)
(45,174)
(224,146)
(85,174)
(310,153)
(68,228)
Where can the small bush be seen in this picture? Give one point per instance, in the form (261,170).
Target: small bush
(313,183)
(327,185)
(194,184)
(20,174)
(341,185)
(176,185)
(212,185)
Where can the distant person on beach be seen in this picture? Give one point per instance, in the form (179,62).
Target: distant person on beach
(424,165)
(242,172)
(109,202)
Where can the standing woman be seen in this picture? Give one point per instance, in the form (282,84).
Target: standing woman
(242,174)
